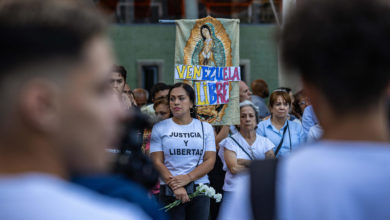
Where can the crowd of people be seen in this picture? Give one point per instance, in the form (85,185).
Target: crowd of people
(185,150)
(322,152)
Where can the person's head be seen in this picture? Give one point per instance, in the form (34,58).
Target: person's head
(181,99)
(140,96)
(341,52)
(260,88)
(161,108)
(129,94)
(54,86)
(279,103)
(205,32)
(159,90)
(245,93)
(118,78)
(248,116)
(301,101)
(127,89)
(289,91)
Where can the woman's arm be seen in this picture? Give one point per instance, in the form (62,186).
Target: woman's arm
(270,154)
(222,134)
(243,162)
(158,160)
(232,163)
(176,182)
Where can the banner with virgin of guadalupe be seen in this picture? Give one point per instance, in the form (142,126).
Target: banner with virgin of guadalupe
(207,57)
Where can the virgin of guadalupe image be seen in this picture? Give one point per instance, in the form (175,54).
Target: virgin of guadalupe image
(209,51)
(209,45)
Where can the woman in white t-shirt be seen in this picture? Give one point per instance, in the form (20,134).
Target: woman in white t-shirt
(183,151)
(238,150)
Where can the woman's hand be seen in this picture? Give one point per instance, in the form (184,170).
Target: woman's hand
(244,162)
(270,154)
(181,194)
(176,182)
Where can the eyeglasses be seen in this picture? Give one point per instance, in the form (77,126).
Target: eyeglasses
(302,103)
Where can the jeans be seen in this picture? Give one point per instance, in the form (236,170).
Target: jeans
(197,209)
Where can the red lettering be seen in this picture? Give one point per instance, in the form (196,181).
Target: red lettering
(236,75)
(226,92)
(220,93)
(225,73)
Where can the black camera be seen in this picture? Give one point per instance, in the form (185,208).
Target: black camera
(131,161)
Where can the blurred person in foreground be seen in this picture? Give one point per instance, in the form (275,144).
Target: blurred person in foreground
(338,49)
(60,111)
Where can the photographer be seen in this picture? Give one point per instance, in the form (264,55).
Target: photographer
(57,113)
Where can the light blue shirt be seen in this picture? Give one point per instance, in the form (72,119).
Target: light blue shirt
(292,139)
(309,119)
(326,180)
(315,133)
(44,197)
(260,103)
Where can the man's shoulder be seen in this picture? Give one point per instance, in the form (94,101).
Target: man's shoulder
(324,159)
(337,173)
(36,194)
(257,100)
(265,123)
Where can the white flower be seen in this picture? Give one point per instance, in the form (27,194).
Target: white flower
(211,191)
(218,197)
(198,187)
(208,193)
(203,188)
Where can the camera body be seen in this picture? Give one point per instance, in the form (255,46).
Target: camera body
(131,162)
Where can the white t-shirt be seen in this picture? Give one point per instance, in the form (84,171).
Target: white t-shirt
(257,151)
(182,145)
(44,197)
(326,180)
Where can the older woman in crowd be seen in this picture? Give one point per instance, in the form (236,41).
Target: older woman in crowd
(286,135)
(241,148)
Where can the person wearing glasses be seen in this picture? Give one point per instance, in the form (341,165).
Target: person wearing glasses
(286,135)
